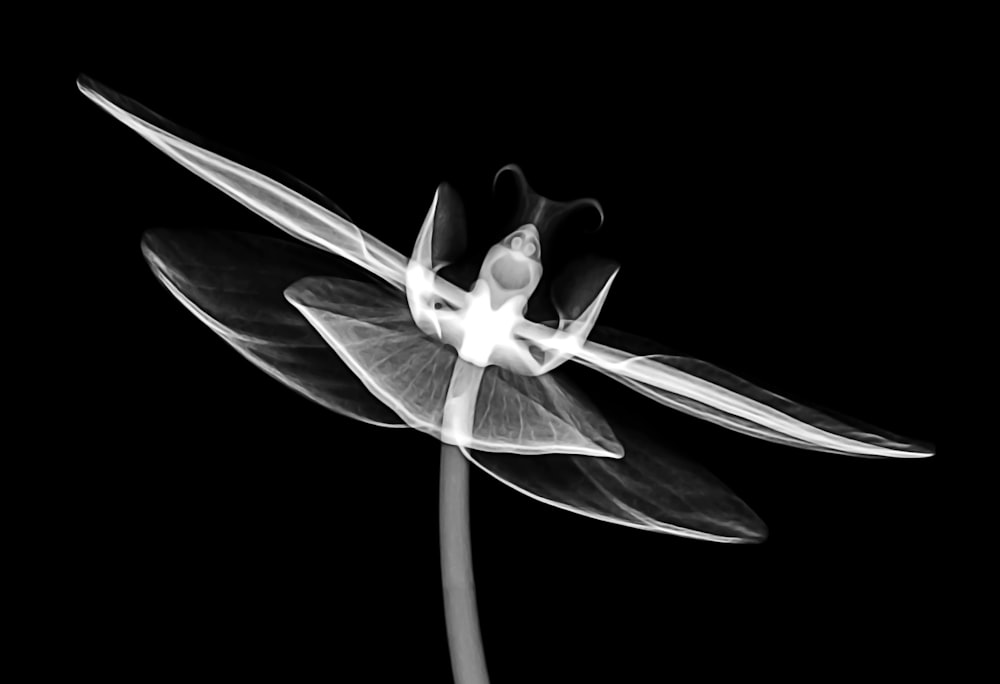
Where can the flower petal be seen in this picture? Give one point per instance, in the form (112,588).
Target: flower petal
(579,285)
(710,393)
(539,411)
(234,283)
(289,210)
(545,214)
(651,488)
(449,232)
(410,372)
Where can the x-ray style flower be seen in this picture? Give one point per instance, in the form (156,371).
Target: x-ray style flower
(392,341)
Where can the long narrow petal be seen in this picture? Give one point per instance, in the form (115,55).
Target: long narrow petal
(410,372)
(710,393)
(425,291)
(651,488)
(233,283)
(284,207)
(443,237)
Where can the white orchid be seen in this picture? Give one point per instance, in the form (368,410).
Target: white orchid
(467,366)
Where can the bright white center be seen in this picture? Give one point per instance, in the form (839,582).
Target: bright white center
(484,328)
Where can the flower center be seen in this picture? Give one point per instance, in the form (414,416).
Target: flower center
(483,329)
(509,274)
(486,325)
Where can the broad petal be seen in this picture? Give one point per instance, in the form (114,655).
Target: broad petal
(539,411)
(710,393)
(289,210)
(410,372)
(234,284)
(651,488)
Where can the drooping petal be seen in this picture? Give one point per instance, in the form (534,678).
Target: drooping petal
(234,284)
(537,411)
(289,210)
(710,393)
(410,372)
(651,488)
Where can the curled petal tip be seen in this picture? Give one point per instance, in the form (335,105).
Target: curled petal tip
(522,182)
(600,210)
(545,213)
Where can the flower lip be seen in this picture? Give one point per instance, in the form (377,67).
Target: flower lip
(509,274)
(545,214)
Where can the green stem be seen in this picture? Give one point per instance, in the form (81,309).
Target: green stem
(466,646)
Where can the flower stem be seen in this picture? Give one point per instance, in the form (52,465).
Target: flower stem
(466,646)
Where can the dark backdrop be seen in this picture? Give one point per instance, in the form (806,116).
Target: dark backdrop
(770,217)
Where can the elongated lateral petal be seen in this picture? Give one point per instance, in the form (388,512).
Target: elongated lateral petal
(579,303)
(234,284)
(443,236)
(287,209)
(425,292)
(710,393)
(411,372)
(651,488)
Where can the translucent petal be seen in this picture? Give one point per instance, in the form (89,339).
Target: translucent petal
(450,232)
(234,284)
(283,206)
(546,214)
(651,488)
(579,284)
(710,393)
(375,336)
(94,89)
(536,412)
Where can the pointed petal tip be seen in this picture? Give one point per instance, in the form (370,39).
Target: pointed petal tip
(154,242)
(922,454)
(743,526)
(150,244)
(92,88)
(152,236)
(85,83)
(756,533)
(313,292)
(916,451)
(295,292)
(615,453)
(748,528)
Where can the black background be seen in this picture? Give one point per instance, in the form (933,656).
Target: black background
(770,209)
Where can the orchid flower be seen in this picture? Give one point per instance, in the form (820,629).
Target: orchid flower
(389,340)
